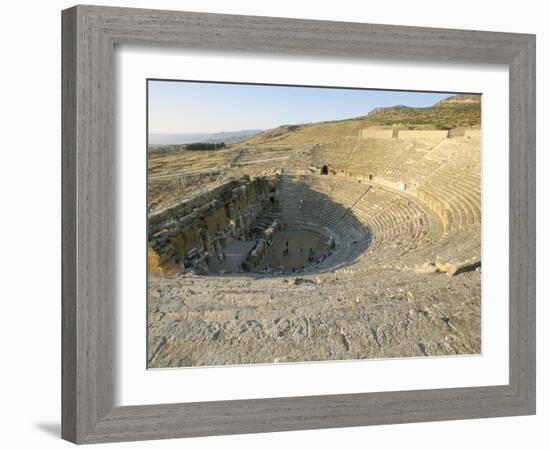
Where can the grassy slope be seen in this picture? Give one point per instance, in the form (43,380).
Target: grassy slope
(461,111)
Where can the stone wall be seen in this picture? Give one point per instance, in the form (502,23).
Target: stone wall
(472,134)
(378,133)
(375,133)
(188,233)
(423,134)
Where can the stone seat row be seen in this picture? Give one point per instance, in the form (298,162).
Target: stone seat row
(397,225)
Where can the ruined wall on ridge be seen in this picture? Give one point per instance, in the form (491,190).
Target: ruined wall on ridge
(422,134)
(375,133)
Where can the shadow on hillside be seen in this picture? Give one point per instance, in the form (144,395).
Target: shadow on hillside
(309,201)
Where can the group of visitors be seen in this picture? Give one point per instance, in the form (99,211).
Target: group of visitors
(312,257)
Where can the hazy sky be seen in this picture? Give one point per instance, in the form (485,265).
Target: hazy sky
(192,107)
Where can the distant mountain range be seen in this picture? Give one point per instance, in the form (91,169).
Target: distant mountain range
(188,138)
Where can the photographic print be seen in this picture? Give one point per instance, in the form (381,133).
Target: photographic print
(293,224)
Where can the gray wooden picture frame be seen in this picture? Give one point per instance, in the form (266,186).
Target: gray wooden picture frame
(90,34)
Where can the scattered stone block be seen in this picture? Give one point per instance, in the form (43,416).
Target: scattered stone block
(457,267)
(425,268)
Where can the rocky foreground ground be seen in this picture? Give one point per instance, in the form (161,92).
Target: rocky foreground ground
(347,314)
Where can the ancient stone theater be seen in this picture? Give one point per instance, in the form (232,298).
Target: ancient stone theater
(350,239)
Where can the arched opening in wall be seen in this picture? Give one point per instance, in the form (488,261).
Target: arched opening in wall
(324,170)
